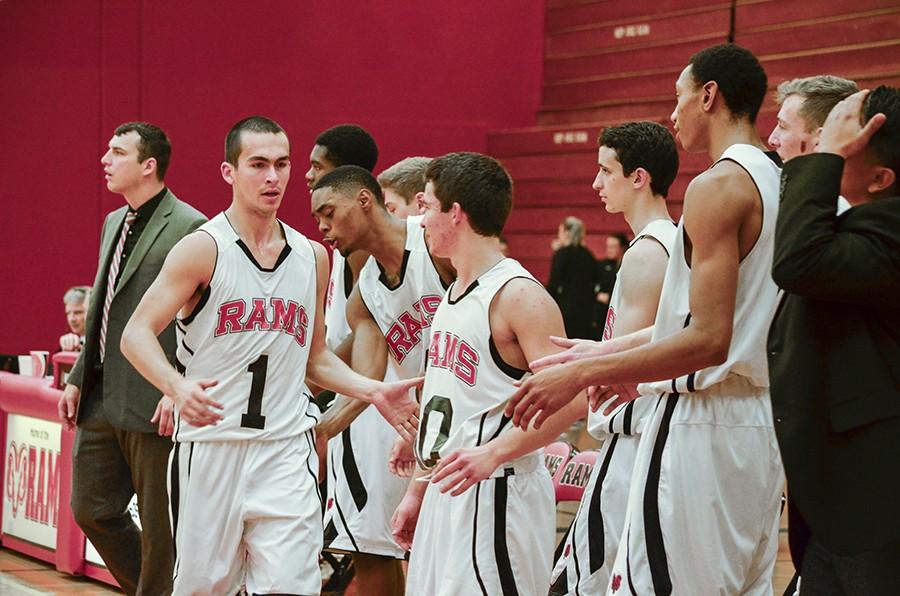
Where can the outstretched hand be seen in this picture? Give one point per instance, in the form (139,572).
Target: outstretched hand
(402,461)
(575,349)
(398,407)
(463,468)
(843,132)
(541,395)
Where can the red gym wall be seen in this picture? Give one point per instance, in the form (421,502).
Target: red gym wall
(423,77)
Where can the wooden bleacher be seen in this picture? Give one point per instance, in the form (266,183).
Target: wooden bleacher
(608,61)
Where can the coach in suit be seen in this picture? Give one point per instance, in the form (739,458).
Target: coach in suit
(834,347)
(118,451)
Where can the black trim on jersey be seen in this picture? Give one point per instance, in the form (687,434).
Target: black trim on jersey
(628,563)
(190,459)
(504,420)
(180,326)
(180,367)
(475,533)
(690,377)
(596,534)
(575,557)
(204,298)
(284,254)
(351,472)
(626,421)
(468,291)
(348,279)
(330,533)
(185,346)
(175,487)
(762,204)
(501,550)
(337,505)
(507,368)
(312,447)
(656,547)
(382,277)
(650,237)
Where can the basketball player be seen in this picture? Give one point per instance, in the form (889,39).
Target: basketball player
(250,292)
(638,161)
(403,186)
(704,500)
(497,538)
(389,312)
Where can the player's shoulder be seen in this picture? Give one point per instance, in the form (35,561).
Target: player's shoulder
(726,187)
(644,251)
(522,293)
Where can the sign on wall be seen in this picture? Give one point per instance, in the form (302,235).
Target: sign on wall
(31,484)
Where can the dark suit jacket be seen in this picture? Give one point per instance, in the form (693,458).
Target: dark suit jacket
(834,357)
(129,400)
(573,275)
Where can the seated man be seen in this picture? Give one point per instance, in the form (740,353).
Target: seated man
(76,301)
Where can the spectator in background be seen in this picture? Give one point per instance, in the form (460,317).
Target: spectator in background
(573,275)
(606,274)
(76,301)
(403,185)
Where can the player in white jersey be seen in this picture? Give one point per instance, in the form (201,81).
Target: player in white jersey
(390,313)
(638,161)
(704,500)
(498,537)
(250,291)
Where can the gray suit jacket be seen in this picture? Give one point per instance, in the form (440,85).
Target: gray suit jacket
(129,400)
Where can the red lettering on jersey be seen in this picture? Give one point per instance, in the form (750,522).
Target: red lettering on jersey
(329,295)
(412,326)
(433,355)
(283,315)
(398,341)
(230,314)
(451,343)
(610,323)
(302,326)
(466,368)
(257,319)
(427,306)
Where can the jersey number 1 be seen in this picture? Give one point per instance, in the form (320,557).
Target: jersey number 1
(254,418)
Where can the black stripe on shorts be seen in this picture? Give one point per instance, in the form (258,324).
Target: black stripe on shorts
(501,550)
(656,548)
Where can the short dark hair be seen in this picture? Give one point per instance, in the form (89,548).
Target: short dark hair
(885,143)
(349,180)
(250,124)
(349,144)
(738,74)
(154,143)
(645,145)
(621,237)
(480,185)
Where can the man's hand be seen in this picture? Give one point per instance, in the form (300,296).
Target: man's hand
(67,408)
(843,133)
(194,406)
(465,467)
(396,405)
(542,394)
(165,416)
(403,522)
(575,349)
(611,396)
(70,342)
(402,461)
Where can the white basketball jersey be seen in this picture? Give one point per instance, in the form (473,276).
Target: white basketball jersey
(336,326)
(624,419)
(252,332)
(404,313)
(755,300)
(467,384)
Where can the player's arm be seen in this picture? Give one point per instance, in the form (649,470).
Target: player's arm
(716,204)
(186,272)
(368,357)
(525,312)
(325,369)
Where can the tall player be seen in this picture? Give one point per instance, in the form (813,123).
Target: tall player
(250,292)
(704,501)
(638,161)
(390,312)
(497,538)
